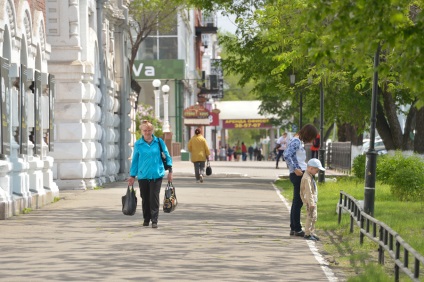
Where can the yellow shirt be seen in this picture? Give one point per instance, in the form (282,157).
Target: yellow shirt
(198,148)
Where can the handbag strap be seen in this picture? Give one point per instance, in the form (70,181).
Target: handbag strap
(160,147)
(171,186)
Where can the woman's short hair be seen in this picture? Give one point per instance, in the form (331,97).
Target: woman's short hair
(146,123)
(308,133)
(197,131)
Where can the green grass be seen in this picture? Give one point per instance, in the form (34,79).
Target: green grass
(405,218)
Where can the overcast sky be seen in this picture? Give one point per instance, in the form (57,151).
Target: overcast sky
(226,23)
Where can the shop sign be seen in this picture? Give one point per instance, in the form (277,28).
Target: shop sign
(196,111)
(246,123)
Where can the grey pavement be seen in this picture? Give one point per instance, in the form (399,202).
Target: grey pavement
(232,227)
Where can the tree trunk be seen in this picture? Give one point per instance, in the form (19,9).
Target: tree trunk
(390,110)
(327,133)
(348,132)
(408,140)
(419,132)
(383,128)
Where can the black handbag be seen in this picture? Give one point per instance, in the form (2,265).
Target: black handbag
(208,169)
(170,201)
(163,157)
(129,202)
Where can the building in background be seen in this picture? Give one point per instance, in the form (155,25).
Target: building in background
(175,57)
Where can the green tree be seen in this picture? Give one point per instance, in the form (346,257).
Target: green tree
(334,42)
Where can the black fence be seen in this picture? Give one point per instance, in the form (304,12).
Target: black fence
(388,240)
(339,156)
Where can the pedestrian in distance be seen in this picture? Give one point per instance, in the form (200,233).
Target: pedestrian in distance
(243,151)
(295,156)
(315,147)
(147,166)
(282,142)
(199,149)
(230,153)
(250,151)
(309,196)
(222,154)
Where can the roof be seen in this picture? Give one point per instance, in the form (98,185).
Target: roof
(240,110)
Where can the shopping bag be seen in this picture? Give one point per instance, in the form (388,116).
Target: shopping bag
(208,169)
(170,201)
(129,202)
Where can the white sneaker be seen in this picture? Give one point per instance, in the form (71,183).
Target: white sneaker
(201,178)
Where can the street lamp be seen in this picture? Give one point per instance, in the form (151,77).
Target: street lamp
(321,157)
(371,163)
(156,84)
(292,82)
(165,90)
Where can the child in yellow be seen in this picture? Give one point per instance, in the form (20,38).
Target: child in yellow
(309,196)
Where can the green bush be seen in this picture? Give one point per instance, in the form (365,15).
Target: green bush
(404,175)
(358,166)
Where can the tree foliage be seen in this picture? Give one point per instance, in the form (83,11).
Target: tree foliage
(333,42)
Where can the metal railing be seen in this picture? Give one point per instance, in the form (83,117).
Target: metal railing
(339,156)
(387,239)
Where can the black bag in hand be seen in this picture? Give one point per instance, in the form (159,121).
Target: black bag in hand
(129,202)
(208,169)
(170,201)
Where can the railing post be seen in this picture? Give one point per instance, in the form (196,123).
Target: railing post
(417,268)
(380,248)
(405,258)
(361,235)
(340,207)
(397,256)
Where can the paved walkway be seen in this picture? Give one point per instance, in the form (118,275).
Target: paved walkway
(233,227)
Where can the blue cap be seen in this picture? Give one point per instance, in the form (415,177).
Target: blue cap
(315,163)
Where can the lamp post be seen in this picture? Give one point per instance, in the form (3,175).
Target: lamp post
(156,84)
(371,164)
(321,174)
(292,82)
(165,90)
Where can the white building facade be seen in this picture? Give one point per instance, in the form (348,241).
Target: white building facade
(27,97)
(66,104)
(89,58)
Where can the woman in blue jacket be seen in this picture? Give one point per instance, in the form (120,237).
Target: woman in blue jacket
(148,167)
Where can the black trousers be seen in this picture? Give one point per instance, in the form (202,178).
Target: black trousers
(149,191)
(297,203)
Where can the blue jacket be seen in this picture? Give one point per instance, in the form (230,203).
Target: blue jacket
(146,160)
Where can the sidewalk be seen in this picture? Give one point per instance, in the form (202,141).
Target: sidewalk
(233,227)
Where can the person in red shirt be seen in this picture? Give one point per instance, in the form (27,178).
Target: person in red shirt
(243,151)
(315,147)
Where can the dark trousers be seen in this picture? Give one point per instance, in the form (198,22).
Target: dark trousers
(149,191)
(314,154)
(279,155)
(199,169)
(297,203)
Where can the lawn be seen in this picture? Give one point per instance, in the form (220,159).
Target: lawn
(342,247)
